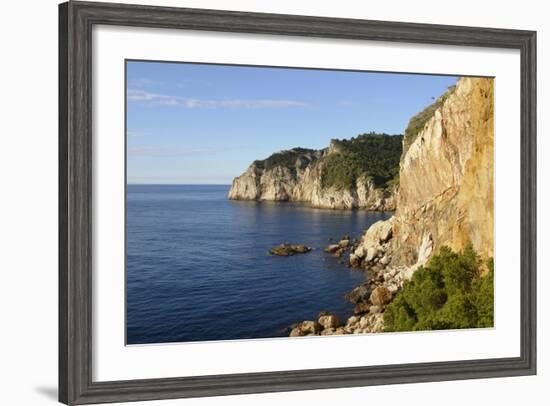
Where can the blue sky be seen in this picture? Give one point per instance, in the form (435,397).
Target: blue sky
(204,124)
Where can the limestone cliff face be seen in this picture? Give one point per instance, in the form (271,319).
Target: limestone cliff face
(295,175)
(445,197)
(446,178)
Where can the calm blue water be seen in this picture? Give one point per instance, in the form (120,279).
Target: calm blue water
(198,269)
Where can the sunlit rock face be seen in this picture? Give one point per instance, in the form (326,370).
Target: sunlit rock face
(445,194)
(300,180)
(445,197)
(446,177)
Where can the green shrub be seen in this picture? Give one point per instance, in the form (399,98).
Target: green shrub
(283,158)
(371,155)
(448,293)
(417,122)
(484,298)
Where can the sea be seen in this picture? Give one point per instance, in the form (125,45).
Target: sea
(198,269)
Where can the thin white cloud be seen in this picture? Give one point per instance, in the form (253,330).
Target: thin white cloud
(137,95)
(141,96)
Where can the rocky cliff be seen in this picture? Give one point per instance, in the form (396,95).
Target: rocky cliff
(446,178)
(349,174)
(445,198)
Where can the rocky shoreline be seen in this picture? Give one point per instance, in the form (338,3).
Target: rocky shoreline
(372,255)
(444,199)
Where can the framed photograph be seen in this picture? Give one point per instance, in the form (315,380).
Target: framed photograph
(258,202)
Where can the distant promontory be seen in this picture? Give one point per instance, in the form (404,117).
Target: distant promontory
(358,173)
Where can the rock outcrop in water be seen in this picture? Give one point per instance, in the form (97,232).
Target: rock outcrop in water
(349,174)
(445,198)
(288,250)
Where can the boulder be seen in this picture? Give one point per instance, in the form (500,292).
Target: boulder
(375,240)
(371,253)
(352,320)
(300,248)
(329,321)
(285,250)
(296,332)
(380,296)
(376,268)
(359,294)
(375,309)
(393,288)
(331,249)
(364,322)
(310,327)
(379,232)
(385,260)
(344,243)
(354,261)
(361,308)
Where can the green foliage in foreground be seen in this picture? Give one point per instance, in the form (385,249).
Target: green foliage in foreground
(449,293)
(372,155)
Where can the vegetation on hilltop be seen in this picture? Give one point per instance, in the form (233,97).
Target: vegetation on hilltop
(371,155)
(449,293)
(417,122)
(283,158)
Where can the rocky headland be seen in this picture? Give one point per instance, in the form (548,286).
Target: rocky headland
(359,173)
(445,198)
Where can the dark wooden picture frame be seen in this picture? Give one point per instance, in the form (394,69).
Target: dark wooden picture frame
(76,20)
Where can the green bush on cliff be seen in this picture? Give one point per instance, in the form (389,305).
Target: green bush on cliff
(449,293)
(417,122)
(372,155)
(282,158)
